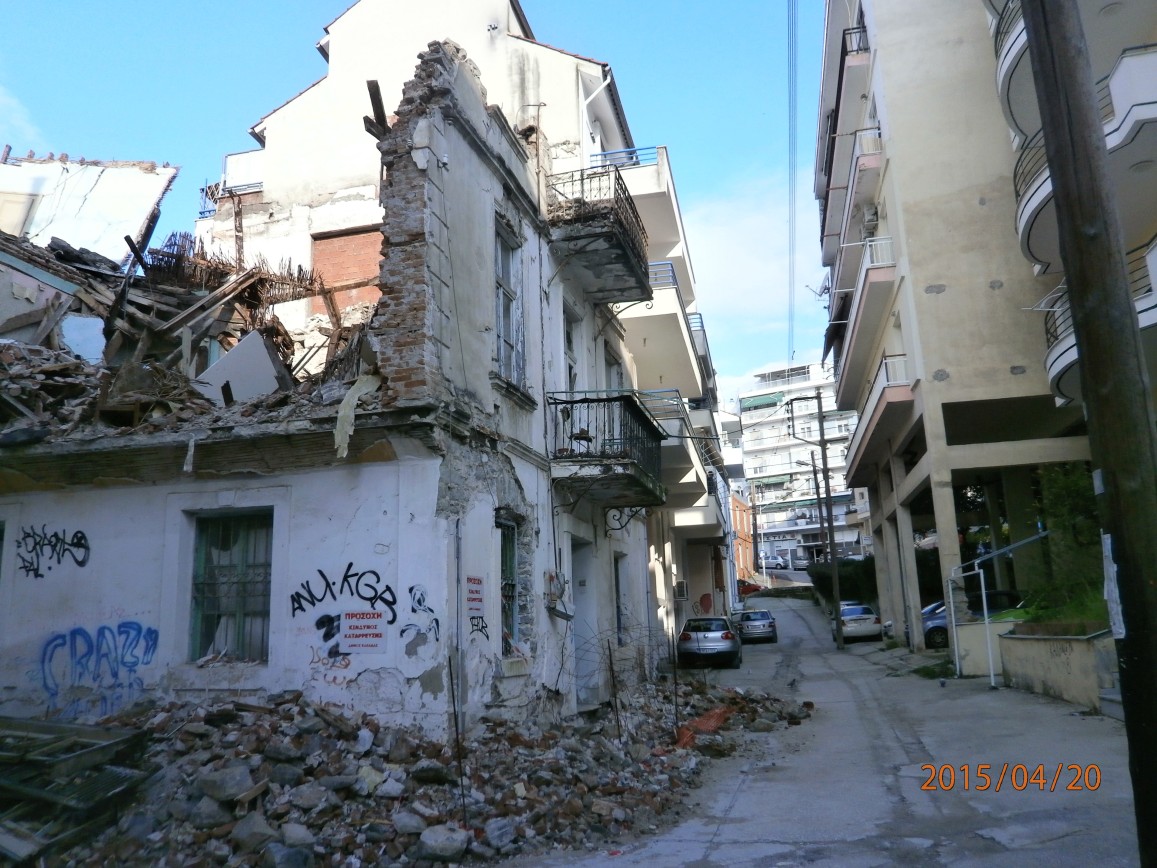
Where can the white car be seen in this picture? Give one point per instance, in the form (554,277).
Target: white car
(772,562)
(859,621)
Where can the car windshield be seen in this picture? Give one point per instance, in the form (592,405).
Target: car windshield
(760,615)
(706,625)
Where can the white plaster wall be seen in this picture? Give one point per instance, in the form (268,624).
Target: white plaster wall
(132,565)
(89,205)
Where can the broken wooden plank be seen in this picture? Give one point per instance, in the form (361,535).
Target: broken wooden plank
(212,301)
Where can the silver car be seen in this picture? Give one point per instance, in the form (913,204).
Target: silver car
(756,625)
(860,621)
(709,640)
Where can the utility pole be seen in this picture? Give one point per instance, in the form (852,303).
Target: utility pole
(1114,380)
(832,559)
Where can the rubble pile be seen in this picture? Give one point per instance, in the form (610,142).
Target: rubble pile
(290,783)
(42,386)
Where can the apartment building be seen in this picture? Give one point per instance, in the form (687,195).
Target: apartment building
(783,463)
(947,329)
(423,427)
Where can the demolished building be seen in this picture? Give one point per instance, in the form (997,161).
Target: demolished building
(478,504)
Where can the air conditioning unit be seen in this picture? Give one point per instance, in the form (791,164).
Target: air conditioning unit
(871,221)
(681,590)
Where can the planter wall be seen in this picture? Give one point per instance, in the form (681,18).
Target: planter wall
(1073,668)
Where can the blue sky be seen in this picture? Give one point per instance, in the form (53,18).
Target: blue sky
(182,83)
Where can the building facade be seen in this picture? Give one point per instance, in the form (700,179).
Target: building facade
(941,330)
(437,475)
(783,463)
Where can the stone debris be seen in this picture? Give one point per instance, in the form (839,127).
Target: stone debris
(290,783)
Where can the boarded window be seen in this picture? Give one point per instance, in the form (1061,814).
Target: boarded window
(509,584)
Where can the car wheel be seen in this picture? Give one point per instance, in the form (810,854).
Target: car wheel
(937,637)
(738,661)
(774,638)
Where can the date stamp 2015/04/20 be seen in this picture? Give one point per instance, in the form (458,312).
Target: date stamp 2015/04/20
(983,777)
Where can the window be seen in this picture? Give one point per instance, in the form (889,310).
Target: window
(570,339)
(508,577)
(509,308)
(231,585)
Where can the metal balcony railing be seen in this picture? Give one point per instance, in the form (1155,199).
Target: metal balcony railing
(661,275)
(609,426)
(591,194)
(1010,16)
(626,158)
(1059,319)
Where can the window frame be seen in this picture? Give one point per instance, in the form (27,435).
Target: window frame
(510,343)
(245,614)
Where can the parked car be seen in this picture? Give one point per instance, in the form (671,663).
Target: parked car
(746,587)
(709,640)
(934,617)
(800,563)
(757,625)
(773,562)
(859,621)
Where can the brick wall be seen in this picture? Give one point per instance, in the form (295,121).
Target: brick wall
(353,257)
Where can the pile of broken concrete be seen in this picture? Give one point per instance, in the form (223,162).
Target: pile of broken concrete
(290,783)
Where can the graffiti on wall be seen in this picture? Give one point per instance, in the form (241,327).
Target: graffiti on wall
(83,672)
(39,549)
(365,585)
(426,620)
(478,625)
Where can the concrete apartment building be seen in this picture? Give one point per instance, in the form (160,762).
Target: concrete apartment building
(452,450)
(949,324)
(780,439)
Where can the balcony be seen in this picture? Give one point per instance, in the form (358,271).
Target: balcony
(684,466)
(1107,26)
(651,185)
(605,449)
(1061,359)
(858,315)
(860,216)
(659,336)
(703,351)
(886,407)
(598,234)
(841,98)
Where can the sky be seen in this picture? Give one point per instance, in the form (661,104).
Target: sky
(183,83)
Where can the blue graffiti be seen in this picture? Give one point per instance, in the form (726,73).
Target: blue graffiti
(98,674)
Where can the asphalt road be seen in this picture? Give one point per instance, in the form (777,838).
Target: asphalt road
(877,775)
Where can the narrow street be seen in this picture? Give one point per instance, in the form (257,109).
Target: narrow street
(849,787)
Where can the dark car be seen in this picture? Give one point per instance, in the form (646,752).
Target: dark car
(709,640)
(757,625)
(935,616)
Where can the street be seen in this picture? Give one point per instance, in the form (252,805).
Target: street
(892,768)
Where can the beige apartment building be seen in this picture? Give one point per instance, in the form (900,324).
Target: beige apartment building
(949,325)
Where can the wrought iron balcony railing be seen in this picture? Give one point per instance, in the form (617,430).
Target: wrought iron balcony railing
(596,194)
(609,426)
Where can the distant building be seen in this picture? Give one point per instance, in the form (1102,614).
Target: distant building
(781,433)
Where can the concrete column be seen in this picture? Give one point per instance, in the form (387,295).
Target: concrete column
(907,560)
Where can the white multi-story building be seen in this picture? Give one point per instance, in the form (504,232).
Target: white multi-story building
(781,441)
(949,327)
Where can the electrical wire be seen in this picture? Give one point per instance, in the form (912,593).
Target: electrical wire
(792,39)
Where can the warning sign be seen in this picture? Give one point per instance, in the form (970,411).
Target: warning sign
(475,604)
(362,632)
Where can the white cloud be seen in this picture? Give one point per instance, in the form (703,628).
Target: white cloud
(738,241)
(16,126)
